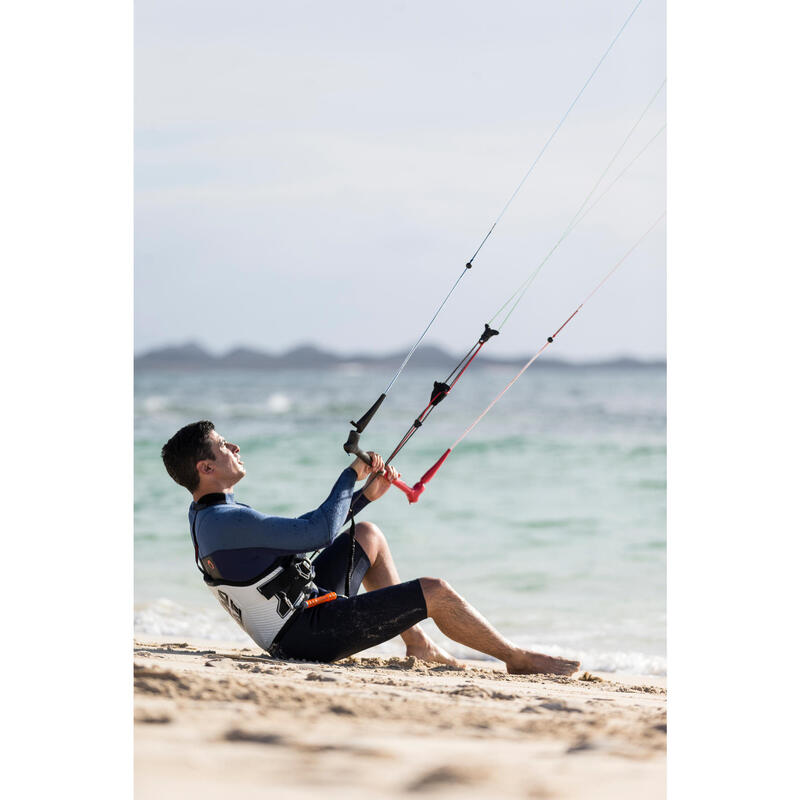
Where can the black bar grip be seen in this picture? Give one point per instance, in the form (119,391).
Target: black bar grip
(365,420)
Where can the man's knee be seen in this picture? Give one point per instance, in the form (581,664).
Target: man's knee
(371,539)
(435,590)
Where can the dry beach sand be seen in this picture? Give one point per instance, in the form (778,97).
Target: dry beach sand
(211,719)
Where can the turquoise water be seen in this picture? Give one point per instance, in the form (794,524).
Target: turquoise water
(549,517)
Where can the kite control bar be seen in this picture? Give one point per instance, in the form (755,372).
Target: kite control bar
(411,492)
(352,448)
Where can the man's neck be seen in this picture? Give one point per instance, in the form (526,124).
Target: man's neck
(211,488)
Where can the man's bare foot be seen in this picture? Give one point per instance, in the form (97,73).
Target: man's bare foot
(527,662)
(426,650)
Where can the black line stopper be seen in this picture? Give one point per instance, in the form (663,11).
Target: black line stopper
(488,333)
(439,392)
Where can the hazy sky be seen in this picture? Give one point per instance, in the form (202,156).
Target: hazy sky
(320,172)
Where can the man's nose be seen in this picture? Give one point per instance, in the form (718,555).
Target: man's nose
(234,447)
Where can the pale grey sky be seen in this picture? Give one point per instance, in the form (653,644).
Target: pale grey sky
(320,172)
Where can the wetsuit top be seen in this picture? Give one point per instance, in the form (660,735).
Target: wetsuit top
(243,543)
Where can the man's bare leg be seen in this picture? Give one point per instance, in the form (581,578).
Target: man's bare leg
(459,621)
(453,615)
(383,573)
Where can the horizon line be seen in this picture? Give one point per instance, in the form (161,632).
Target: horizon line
(222,352)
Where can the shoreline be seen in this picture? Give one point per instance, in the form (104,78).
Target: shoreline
(212,717)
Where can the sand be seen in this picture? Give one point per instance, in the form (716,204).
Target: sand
(214,718)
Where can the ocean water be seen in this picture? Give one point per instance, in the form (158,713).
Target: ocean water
(549,517)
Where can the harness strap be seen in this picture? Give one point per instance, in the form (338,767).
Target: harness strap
(212,499)
(197,561)
(352,555)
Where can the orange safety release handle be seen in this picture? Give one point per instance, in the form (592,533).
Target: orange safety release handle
(316,601)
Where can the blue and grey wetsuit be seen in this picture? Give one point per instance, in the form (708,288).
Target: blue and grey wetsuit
(243,543)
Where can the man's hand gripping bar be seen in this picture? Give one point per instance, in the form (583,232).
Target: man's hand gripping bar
(351,447)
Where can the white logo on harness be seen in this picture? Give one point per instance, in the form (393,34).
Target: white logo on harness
(229,606)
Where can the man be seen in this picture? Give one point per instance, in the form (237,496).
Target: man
(253,564)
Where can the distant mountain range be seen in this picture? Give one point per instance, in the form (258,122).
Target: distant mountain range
(191,356)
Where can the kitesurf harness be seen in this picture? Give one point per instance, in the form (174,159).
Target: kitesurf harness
(264,605)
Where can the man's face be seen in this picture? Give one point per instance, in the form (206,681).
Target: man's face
(227,466)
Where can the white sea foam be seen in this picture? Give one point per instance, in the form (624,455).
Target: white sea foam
(155,403)
(632,663)
(351,369)
(278,403)
(164,617)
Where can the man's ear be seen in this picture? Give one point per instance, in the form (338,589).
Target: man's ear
(205,467)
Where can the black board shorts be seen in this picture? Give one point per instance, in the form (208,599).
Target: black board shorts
(347,625)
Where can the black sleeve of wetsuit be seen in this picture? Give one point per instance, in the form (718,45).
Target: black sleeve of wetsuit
(360,502)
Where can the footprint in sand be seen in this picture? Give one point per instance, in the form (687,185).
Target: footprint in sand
(446,775)
(467,690)
(580,746)
(337,709)
(151,718)
(318,676)
(259,737)
(558,705)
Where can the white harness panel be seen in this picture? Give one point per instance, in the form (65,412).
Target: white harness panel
(258,616)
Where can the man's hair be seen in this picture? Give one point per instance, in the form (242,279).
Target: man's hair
(182,452)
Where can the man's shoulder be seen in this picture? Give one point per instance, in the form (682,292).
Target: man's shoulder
(230,509)
(228,525)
